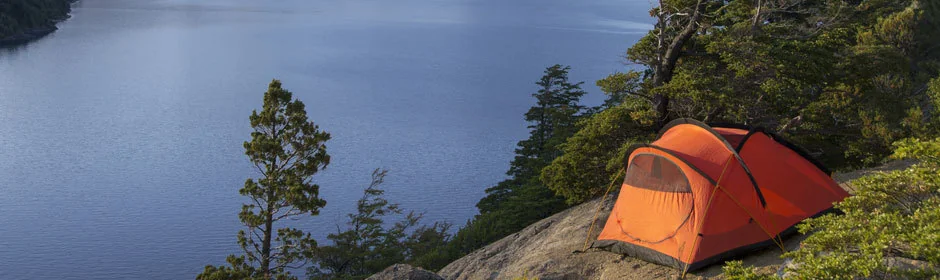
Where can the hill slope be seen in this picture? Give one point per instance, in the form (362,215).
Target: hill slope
(544,250)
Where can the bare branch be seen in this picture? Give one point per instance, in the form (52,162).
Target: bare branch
(258,201)
(792,123)
(301,265)
(256,235)
(293,211)
(260,169)
(756,16)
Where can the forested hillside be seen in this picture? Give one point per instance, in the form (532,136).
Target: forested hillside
(21,20)
(845,79)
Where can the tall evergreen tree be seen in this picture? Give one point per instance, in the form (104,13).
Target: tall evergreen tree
(552,120)
(521,199)
(287,149)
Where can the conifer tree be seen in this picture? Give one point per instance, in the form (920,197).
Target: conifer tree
(551,121)
(287,150)
(521,200)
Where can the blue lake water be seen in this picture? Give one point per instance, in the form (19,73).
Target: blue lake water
(121,134)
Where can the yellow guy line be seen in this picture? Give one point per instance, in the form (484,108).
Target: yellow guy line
(772,237)
(599,206)
(704,214)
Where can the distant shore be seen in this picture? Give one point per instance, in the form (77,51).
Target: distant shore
(28,35)
(34,33)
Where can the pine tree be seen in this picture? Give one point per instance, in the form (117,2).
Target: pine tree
(552,120)
(521,200)
(287,149)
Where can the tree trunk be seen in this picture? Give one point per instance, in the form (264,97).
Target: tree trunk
(269,215)
(661,102)
(663,72)
(266,243)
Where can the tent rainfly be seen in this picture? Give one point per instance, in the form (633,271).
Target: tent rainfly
(701,194)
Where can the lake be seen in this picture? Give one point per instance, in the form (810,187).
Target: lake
(121,133)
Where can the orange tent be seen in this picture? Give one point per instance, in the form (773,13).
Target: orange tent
(700,194)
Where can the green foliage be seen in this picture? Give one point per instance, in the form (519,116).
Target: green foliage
(239,270)
(423,242)
(735,270)
(893,214)
(619,87)
(888,230)
(522,199)
(934,92)
(846,78)
(594,155)
(476,233)
(924,121)
(525,276)
(552,120)
(364,247)
(287,151)
(18,16)
(367,246)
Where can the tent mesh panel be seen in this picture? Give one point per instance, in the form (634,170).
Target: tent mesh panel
(654,172)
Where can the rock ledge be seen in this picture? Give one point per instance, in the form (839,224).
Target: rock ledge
(404,272)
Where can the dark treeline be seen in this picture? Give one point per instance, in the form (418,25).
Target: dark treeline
(22,20)
(845,79)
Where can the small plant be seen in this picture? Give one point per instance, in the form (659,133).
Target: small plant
(525,276)
(735,270)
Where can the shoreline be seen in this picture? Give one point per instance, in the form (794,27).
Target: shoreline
(36,33)
(27,36)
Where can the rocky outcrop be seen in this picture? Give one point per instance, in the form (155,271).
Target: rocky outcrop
(546,250)
(404,272)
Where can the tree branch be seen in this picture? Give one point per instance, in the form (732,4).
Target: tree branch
(260,169)
(672,52)
(792,123)
(300,265)
(291,212)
